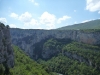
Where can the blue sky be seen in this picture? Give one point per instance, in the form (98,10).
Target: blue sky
(47,14)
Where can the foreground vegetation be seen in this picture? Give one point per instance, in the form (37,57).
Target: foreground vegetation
(25,66)
(66,66)
(84,59)
(61,63)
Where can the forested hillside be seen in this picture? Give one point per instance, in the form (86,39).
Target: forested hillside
(26,66)
(49,37)
(94,24)
(71,58)
(57,52)
(31,41)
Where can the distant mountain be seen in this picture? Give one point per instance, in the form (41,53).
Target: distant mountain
(94,24)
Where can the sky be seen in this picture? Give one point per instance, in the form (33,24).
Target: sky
(47,14)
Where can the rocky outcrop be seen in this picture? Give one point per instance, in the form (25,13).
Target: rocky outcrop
(6,51)
(31,40)
(77,57)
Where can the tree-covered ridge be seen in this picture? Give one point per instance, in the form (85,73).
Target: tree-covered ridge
(88,52)
(53,44)
(90,30)
(61,63)
(73,58)
(66,66)
(24,65)
(94,24)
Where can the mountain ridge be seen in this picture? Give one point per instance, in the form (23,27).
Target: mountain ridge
(31,41)
(76,46)
(93,24)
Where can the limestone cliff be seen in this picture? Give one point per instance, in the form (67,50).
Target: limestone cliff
(31,41)
(6,51)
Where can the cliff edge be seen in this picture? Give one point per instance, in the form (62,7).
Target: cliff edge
(32,40)
(6,51)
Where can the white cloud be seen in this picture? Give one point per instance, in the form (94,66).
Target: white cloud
(26,17)
(33,22)
(14,15)
(31,27)
(48,20)
(3,20)
(93,5)
(35,3)
(39,28)
(13,26)
(63,19)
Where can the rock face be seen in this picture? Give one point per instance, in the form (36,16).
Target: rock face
(6,51)
(31,41)
(77,57)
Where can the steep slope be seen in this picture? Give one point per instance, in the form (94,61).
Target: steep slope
(26,66)
(31,41)
(65,66)
(69,52)
(6,51)
(94,24)
(71,59)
